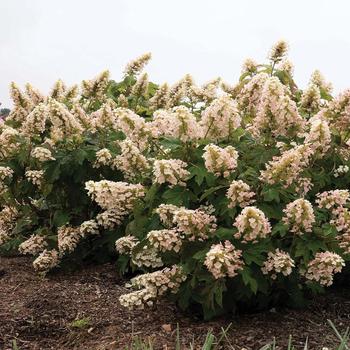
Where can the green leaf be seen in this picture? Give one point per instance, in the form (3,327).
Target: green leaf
(207,193)
(60,218)
(249,280)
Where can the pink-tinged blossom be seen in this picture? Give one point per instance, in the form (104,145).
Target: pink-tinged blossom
(239,194)
(286,168)
(172,171)
(299,216)
(220,161)
(194,224)
(278,262)
(252,225)
(323,267)
(220,119)
(223,260)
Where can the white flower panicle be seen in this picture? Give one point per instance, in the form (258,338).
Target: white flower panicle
(22,104)
(318,79)
(42,154)
(172,171)
(35,122)
(223,260)
(341,170)
(220,119)
(34,94)
(166,214)
(250,94)
(96,87)
(323,267)
(239,194)
(153,285)
(278,51)
(64,123)
(134,127)
(5,173)
(131,161)
(89,227)
(68,239)
(251,225)
(134,67)
(286,168)
(165,240)
(103,158)
(319,136)
(277,113)
(194,224)
(8,218)
(34,245)
(249,66)
(46,261)
(311,99)
(160,98)
(141,86)
(332,200)
(147,256)
(299,216)
(125,245)
(220,161)
(35,176)
(116,198)
(278,262)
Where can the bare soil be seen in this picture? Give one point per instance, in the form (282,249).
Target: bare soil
(39,313)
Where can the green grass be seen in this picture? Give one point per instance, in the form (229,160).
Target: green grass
(215,343)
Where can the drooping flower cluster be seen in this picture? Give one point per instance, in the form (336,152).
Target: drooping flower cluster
(286,168)
(103,158)
(220,161)
(323,267)
(8,217)
(125,245)
(332,200)
(42,154)
(311,99)
(131,161)
(147,256)
(134,67)
(341,170)
(277,262)
(223,260)
(319,136)
(165,240)
(68,238)
(299,216)
(35,176)
(194,224)
(277,113)
(33,246)
(172,171)
(152,286)
(46,261)
(220,118)
(116,198)
(251,225)
(239,193)
(6,173)
(166,213)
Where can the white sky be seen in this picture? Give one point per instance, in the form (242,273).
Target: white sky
(43,40)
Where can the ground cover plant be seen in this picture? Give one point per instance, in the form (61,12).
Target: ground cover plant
(218,196)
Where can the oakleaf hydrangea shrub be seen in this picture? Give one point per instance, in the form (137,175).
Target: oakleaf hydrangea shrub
(218,196)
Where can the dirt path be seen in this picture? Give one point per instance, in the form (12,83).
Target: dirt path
(38,314)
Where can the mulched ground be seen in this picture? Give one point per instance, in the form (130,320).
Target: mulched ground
(38,313)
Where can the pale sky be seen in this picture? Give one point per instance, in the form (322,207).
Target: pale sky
(43,40)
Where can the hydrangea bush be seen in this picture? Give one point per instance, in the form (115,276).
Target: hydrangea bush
(218,196)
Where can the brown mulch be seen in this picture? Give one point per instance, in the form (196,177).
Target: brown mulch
(37,313)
